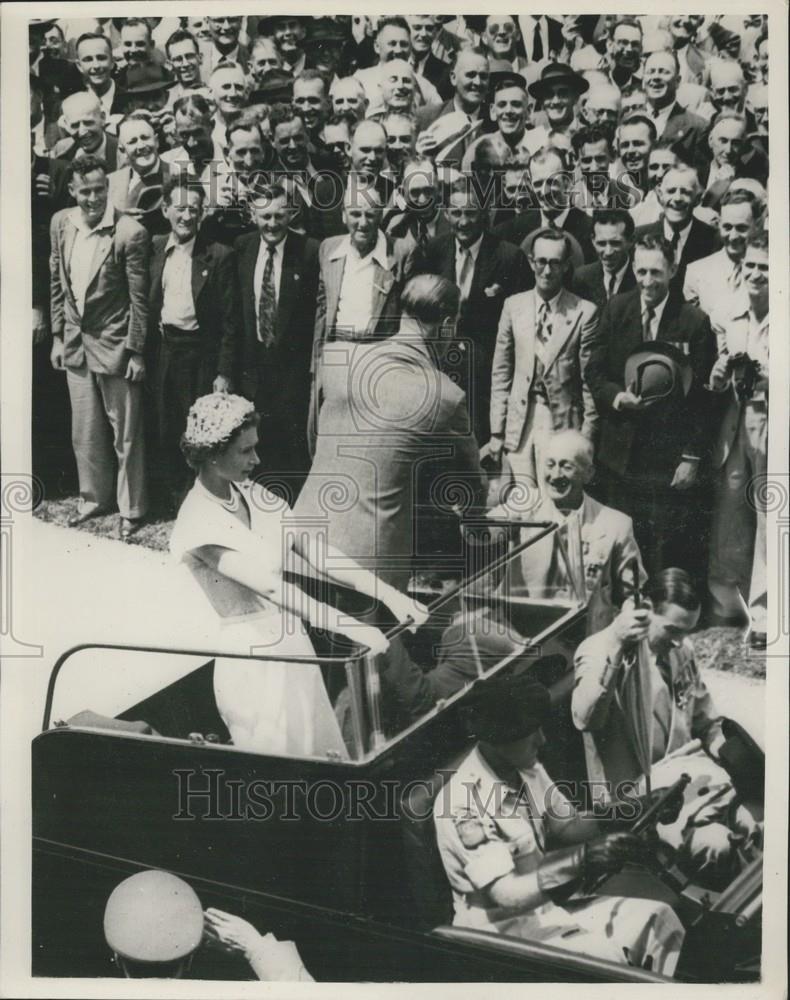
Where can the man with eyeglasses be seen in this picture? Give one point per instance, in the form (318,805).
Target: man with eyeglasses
(185,59)
(225,46)
(538,381)
(624,50)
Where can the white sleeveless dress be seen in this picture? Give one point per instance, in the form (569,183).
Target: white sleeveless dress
(270,707)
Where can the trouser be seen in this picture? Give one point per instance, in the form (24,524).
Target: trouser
(107,418)
(184,372)
(737,568)
(526,460)
(52,456)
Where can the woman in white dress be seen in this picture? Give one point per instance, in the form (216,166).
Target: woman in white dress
(235,537)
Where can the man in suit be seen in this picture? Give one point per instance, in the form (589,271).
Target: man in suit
(487,270)
(597,189)
(715,283)
(97,66)
(84,120)
(610,559)
(57,77)
(278,282)
(661,79)
(737,573)
(469,78)
(99,315)
(732,157)
(395,432)
(542,345)
(422,217)
(193,322)
(678,194)
(225,45)
(551,182)
(611,274)
(650,452)
(423,29)
(359,281)
(137,188)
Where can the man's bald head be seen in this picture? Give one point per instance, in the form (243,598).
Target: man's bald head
(81,103)
(727,85)
(83,118)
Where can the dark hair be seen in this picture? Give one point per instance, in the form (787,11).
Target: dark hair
(395,21)
(137,22)
(246,122)
(268,192)
(139,115)
(759,241)
(312,74)
(182,182)
(654,242)
(625,22)
(192,102)
(743,196)
(673,586)
(641,120)
(283,114)
(429,298)
(614,217)
(83,165)
(589,134)
(181,35)
(342,118)
(545,151)
(196,454)
(60,31)
(91,36)
(557,236)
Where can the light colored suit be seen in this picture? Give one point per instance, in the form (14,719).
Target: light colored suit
(711,285)
(608,554)
(680,714)
(514,413)
(97,343)
(119,181)
(737,571)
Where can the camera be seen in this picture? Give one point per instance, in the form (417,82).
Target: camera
(745,372)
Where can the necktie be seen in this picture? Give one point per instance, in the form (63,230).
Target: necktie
(544,323)
(537,43)
(421,233)
(610,282)
(647,322)
(674,241)
(266,305)
(736,277)
(465,277)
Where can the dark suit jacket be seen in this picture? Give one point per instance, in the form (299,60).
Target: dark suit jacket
(279,376)
(703,240)
(214,292)
(587,283)
(324,217)
(660,435)
(501,270)
(69,148)
(437,72)
(43,207)
(687,132)
(577,224)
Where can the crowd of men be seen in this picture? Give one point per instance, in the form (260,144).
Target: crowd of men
(216,200)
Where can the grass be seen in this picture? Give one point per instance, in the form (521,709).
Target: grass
(720,648)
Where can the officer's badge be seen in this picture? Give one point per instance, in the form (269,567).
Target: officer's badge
(471,831)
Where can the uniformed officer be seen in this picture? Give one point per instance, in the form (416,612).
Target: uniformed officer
(518,855)
(683,734)
(154,923)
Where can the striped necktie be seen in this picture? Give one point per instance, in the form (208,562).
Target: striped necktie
(544,324)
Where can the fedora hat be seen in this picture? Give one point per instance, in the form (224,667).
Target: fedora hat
(147,78)
(326,30)
(657,371)
(501,75)
(275,87)
(558,73)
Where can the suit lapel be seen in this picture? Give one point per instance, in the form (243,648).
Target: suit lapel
(383,280)
(563,323)
(485,269)
(288,292)
(334,283)
(101,252)
(157,267)
(201,263)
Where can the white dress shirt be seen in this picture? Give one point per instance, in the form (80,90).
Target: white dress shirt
(264,250)
(718,173)
(107,98)
(355,305)
(660,119)
(558,222)
(618,279)
(178,305)
(82,252)
(464,280)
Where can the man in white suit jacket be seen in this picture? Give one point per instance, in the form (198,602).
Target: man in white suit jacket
(599,540)
(538,383)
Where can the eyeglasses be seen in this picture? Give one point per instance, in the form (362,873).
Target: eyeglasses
(543,263)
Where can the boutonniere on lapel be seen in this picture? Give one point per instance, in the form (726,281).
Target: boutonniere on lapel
(296,276)
(493,290)
(205,273)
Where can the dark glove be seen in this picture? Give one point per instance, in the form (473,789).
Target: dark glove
(608,854)
(670,809)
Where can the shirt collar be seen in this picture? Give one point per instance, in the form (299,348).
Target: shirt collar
(277,250)
(682,235)
(232,56)
(457,107)
(379,253)
(559,220)
(474,249)
(107,220)
(658,311)
(551,303)
(187,247)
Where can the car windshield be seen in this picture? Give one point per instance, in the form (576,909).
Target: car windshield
(523,583)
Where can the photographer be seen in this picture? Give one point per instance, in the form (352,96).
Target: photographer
(737,570)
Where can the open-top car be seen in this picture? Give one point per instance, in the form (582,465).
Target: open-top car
(134,769)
